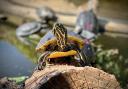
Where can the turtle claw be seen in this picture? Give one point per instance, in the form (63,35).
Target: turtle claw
(42,61)
(41,66)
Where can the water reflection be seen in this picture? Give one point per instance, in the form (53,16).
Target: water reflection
(12,62)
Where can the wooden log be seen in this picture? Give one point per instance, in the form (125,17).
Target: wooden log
(70,77)
(116,27)
(14,9)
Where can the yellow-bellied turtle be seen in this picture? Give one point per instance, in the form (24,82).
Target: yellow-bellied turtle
(87,24)
(46,14)
(27,29)
(61,47)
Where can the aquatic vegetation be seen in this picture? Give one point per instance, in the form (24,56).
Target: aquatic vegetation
(113,60)
(19,79)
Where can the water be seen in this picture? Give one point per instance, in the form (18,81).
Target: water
(12,62)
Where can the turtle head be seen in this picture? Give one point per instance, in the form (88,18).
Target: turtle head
(60,33)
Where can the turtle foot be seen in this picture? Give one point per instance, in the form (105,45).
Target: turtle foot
(42,61)
(40,66)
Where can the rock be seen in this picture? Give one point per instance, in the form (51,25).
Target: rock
(5,83)
(70,77)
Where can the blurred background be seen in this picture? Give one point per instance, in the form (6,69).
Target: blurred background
(21,22)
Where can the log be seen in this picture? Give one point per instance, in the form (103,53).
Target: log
(15,9)
(70,77)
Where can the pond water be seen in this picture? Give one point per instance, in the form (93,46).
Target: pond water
(12,62)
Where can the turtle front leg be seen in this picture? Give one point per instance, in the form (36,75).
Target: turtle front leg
(42,61)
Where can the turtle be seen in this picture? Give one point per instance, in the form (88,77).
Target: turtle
(87,24)
(57,46)
(46,13)
(27,29)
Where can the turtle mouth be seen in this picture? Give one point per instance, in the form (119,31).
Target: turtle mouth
(59,54)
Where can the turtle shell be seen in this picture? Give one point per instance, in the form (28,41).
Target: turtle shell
(46,13)
(87,20)
(28,28)
(49,39)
